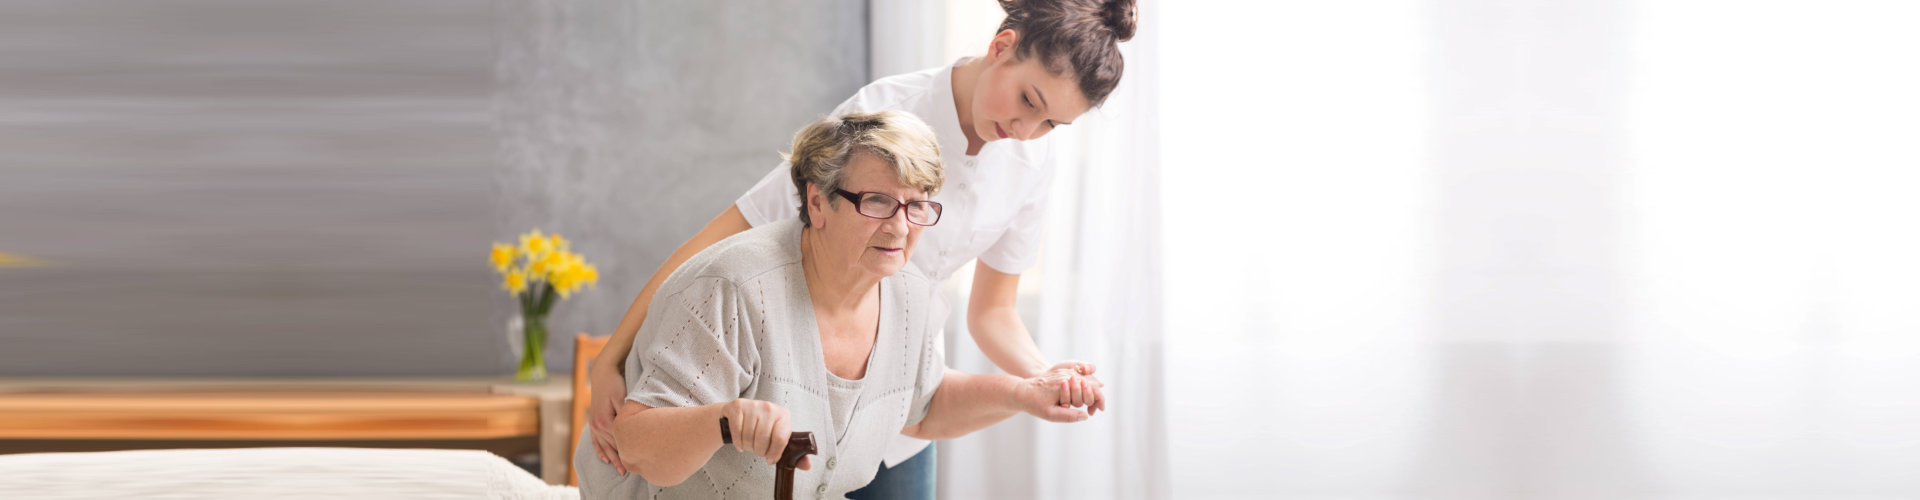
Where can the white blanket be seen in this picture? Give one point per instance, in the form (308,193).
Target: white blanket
(254,473)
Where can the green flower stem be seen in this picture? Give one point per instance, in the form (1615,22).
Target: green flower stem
(533,358)
(546,298)
(535,303)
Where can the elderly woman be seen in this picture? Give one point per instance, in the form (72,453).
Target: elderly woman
(813,324)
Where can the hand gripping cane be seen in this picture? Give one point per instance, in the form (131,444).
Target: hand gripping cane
(799,445)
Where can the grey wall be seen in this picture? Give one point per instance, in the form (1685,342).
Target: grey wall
(241,187)
(626,126)
(309,188)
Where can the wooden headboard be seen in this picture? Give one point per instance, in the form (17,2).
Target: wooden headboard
(585,348)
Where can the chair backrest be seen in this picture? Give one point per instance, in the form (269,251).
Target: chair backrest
(585,348)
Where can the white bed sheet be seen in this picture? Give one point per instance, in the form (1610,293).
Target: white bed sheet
(256,473)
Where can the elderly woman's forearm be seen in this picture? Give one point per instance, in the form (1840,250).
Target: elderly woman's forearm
(965,403)
(667,445)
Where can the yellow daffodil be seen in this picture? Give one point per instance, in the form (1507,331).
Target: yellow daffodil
(544,266)
(544,260)
(571,262)
(564,281)
(572,274)
(534,244)
(516,282)
(502,257)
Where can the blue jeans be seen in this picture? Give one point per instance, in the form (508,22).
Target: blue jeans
(909,480)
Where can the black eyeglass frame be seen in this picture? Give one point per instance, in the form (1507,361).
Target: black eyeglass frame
(855,198)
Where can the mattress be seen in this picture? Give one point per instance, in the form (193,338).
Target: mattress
(252,473)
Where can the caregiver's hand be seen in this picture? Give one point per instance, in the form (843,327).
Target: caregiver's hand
(1040,396)
(1080,388)
(760,428)
(607,391)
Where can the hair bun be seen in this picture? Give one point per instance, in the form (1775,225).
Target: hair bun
(1122,17)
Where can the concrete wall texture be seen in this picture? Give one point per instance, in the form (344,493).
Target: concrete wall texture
(238,188)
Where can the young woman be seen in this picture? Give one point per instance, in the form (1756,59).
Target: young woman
(1050,62)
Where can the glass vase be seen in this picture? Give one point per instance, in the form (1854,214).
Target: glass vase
(533,349)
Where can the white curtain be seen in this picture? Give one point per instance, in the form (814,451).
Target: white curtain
(1095,296)
(1297,209)
(1101,295)
(1495,249)
(904,36)
(1775,247)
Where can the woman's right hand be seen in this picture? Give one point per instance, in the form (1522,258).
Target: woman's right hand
(608,390)
(760,428)
(1040,396)
(1080,388)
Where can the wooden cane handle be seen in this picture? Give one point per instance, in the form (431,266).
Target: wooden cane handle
(799,445)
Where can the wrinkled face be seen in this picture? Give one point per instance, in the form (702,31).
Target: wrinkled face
(876,246)
(1020,100)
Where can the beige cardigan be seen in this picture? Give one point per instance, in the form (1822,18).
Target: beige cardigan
(734,322)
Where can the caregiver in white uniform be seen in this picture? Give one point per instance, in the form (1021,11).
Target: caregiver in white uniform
(1051,61)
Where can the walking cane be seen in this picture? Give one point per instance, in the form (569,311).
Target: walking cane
(799,445)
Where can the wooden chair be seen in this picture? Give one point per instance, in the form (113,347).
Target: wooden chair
(585,348)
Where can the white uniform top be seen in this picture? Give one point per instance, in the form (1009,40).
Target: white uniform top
(993,204)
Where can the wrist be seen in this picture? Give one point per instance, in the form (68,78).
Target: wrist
(603,367)
(1024,367)
(715,412)
(1016,392)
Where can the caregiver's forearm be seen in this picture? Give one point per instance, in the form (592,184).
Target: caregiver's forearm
(1006,341)
(614,356)
(667,445)
(993,317)
(967,402)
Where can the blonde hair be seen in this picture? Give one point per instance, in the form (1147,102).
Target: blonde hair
(821,152)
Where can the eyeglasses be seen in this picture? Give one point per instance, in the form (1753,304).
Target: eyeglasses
(881,206)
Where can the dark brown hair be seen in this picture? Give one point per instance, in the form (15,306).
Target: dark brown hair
(1077,37)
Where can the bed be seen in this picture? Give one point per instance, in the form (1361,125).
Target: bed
(282,472)
(252,473)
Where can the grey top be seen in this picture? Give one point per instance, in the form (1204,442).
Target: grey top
(735,321)
(842,394)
